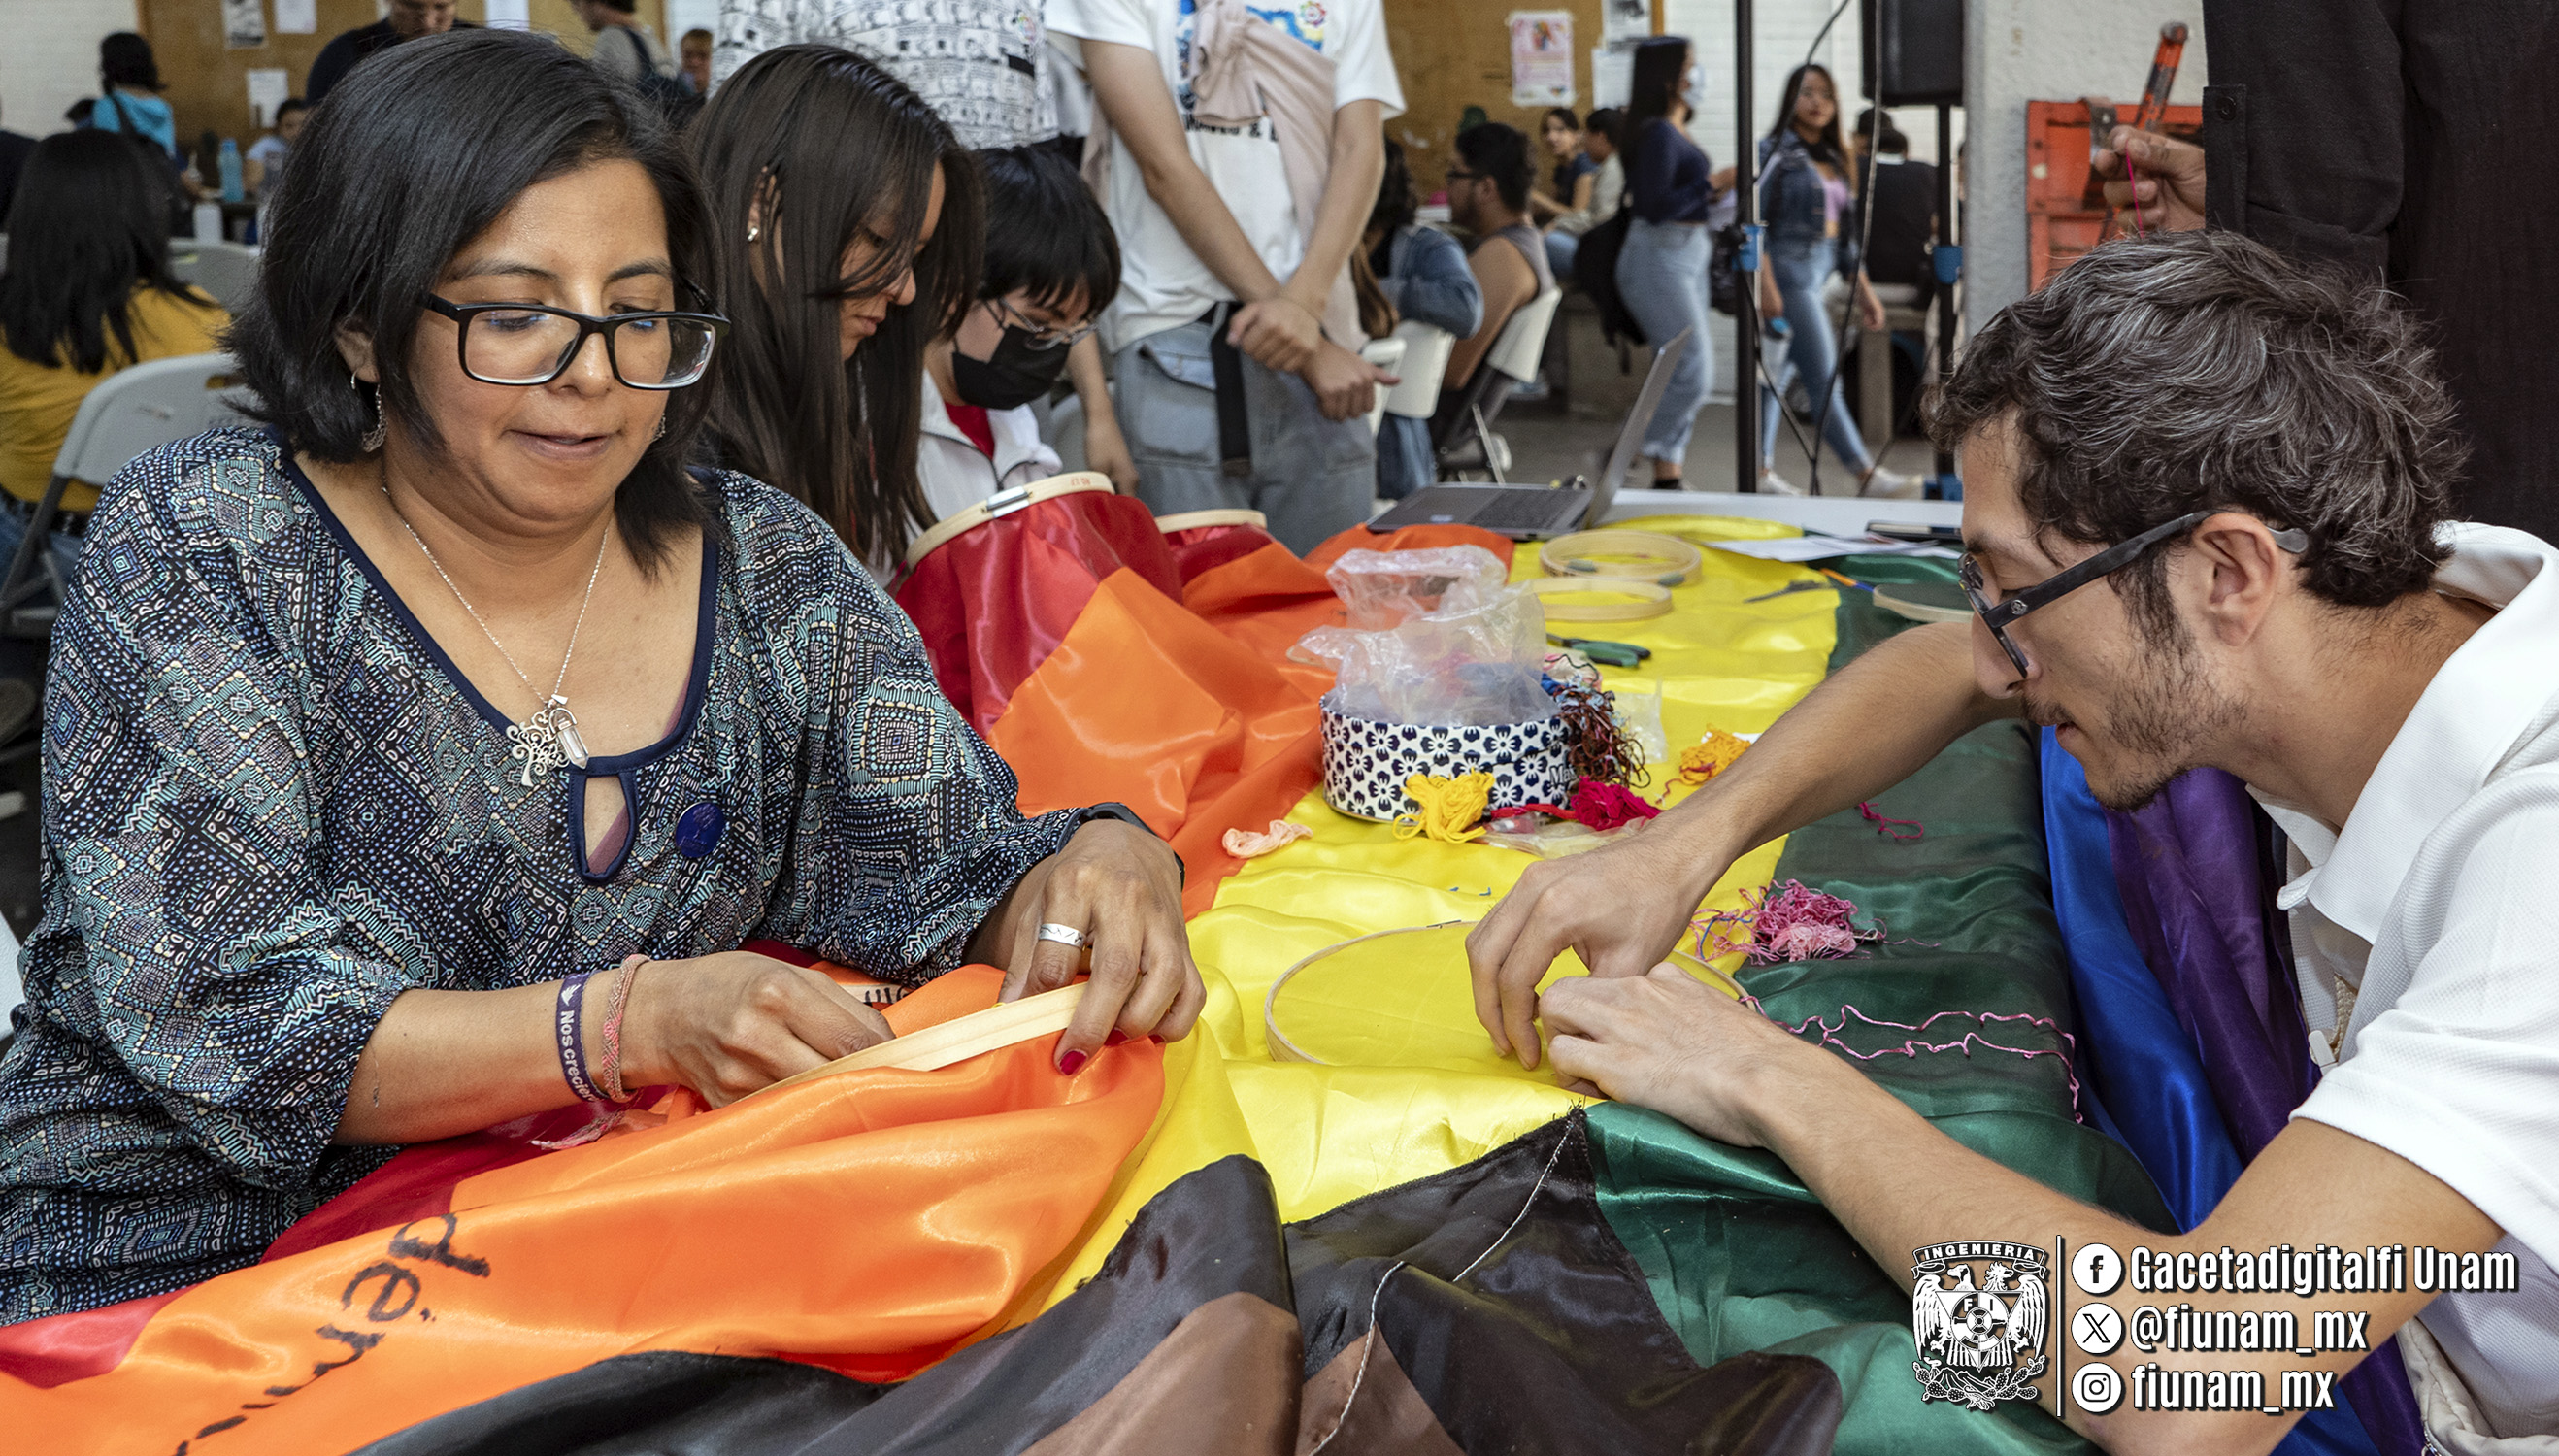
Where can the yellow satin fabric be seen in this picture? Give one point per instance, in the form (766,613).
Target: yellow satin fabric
(1409,1084)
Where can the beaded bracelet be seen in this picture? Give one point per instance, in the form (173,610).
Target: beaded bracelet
(571,1044)
(612,1075)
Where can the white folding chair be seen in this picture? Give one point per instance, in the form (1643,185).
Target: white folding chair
(226,270)
(1425,361)
(129,412)
(1386,354)
(1511,360)
(1523,340)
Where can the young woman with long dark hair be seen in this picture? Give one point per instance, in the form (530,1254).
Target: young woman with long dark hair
(87,293)
(854,225)
(1661,271)
(1807,195)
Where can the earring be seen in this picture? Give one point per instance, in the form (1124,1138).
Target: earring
(373,439)
(661,427)
(753,233)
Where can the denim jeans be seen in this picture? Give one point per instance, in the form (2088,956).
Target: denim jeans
(1559,248)
(1661,276)
(1312,477)
(1811,353)
(14,514)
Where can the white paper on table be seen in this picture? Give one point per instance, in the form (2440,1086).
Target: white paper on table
(1815,547)
(297,17)
(511,15)
(268,87)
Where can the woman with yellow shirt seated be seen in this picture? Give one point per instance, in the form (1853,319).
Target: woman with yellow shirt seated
(87,293)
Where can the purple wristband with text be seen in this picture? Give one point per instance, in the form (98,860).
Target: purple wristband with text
(571,1044)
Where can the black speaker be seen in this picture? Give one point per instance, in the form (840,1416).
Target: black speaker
(1920,47)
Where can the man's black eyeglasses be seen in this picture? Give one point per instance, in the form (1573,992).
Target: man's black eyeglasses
(528,343)
(1998,615)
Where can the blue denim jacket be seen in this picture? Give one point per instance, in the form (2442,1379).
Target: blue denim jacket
(1790,199)
(1429,281)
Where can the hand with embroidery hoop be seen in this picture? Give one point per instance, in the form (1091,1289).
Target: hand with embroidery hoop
(1396,998)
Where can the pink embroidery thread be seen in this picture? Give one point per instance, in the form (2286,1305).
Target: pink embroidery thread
(1595,805)
(1886,826)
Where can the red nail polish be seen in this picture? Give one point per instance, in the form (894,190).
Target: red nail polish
(1070,1063)
(1115,1038)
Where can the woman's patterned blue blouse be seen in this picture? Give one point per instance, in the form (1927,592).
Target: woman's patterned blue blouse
(271,805)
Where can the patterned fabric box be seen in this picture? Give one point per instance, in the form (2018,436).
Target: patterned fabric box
(1366,762)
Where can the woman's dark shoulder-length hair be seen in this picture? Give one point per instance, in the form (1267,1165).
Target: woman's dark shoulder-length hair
(418,152)
(88,229)
(822,145)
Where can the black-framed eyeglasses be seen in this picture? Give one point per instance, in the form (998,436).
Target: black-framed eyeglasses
(530,344)
(1998,615)
(1459,174)
(1043,338)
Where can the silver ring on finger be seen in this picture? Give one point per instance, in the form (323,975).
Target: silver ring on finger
(1063,935)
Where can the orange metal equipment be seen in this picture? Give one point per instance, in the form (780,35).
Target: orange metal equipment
(2060,224)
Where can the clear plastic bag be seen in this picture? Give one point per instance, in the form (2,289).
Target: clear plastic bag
(1477,665)
(1386,589)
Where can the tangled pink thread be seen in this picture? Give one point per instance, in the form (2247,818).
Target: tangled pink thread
(1596,805)
(1914,1045)
(1788,922)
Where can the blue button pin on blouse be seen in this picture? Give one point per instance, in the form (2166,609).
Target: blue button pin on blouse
(699,829)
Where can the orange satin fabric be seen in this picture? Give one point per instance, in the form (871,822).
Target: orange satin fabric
(1191,713)
(870,1222)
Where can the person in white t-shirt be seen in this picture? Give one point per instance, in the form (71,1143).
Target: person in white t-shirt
(1051,265)
(1219,279)
(2203,523)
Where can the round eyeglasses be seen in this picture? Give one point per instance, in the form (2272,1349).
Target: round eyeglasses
(1042,338)
(2001,615)
(529,344)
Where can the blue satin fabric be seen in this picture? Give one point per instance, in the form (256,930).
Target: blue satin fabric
(2134,1054)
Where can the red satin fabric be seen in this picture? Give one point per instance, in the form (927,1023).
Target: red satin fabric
(994,601)
(1202,546)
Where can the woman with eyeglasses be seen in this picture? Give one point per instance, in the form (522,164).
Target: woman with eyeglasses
(1051,265)
(423,761)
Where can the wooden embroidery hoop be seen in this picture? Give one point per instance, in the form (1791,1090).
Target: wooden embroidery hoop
(956,1040)
(1662,559)
(1649,599)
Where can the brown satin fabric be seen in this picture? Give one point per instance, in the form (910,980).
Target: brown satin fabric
(1224,1381)
(1387,1418)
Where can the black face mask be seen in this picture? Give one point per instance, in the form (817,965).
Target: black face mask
(1015,374)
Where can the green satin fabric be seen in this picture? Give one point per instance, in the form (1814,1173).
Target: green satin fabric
(1739,1255)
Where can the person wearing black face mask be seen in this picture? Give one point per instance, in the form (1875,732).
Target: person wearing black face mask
(1052,265)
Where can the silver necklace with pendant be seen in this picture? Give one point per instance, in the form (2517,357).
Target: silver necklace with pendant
(548,738)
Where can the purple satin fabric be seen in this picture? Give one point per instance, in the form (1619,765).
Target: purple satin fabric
(2197,876)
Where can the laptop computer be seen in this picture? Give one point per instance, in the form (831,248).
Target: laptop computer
(1525,513)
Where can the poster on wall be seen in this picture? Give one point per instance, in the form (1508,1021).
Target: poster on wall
(267,88)
(1624,20)
(297,17)
(243,24)
(1542,57)
(1612,74)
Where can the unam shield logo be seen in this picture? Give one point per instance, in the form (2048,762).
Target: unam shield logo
(1979,1311)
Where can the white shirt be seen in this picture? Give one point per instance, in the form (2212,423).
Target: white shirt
(976,62)
(1162,283)
(2437,907)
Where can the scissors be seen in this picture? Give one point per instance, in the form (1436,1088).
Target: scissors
(1614,654)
